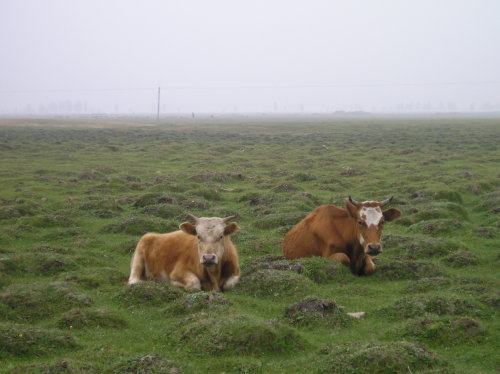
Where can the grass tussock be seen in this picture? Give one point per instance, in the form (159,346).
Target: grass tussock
(148,294)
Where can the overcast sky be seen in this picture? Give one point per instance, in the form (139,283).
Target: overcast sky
(249,56)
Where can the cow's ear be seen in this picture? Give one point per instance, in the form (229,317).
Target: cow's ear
(231,228)
(188,228)
(352,209)
(391,214)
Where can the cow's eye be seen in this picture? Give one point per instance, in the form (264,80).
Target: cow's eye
(381,223)
(361,223)
(220,237)
(198,236)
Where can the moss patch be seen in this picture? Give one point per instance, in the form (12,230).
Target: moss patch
(406,269)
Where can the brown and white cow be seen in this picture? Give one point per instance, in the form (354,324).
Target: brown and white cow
(197,257)
(351,236)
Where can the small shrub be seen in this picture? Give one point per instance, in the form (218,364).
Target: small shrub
(449,331)
(23,340)
(238,335)
(148,294)
(80,318)
(380,358)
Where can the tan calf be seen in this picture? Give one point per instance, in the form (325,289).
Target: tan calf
(197,257)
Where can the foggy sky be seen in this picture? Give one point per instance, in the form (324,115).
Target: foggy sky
(249,56)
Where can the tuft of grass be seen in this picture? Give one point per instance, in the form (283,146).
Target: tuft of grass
(460,259)
(150,364)
(81,318)
(139,225)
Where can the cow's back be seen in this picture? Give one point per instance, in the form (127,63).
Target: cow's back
(162,252)
(311,236)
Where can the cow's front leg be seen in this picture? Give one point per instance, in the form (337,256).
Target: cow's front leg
(187,280)
(230,282)
(341,257)
(369,266)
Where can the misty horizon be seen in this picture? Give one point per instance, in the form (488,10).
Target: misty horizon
(260,57)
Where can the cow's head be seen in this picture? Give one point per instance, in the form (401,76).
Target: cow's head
(210,235)
(370,218)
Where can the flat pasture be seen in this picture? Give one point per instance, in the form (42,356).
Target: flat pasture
(77,194)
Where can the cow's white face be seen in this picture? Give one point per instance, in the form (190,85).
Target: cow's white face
(210,235)
(369,221)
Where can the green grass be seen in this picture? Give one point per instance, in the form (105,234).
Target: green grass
(76,196)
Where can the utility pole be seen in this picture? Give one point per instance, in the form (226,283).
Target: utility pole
(158,113)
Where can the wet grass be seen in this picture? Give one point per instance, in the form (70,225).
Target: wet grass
(74,201)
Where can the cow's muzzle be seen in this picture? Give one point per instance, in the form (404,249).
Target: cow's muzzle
(209,260)
(374,249)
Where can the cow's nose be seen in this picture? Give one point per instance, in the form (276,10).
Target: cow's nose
(373,249)
(209,259)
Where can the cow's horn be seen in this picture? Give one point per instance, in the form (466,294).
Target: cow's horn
(227,218)
(386,201)
(353,201)
(194,218)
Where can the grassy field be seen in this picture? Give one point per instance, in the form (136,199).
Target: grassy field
(76,195)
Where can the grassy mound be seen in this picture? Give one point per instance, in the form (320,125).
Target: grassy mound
(438,226)
(42,264)
(315,311)
(60,367)
(95,278)
(239,334)
(150,364)
(449,331)
(318,269)
(392,269)
(148,294)
(166,211)
(274,283)
(380,358)
(23,340)
(417,248)
(416,306)
(195,302)
(33,302)
(80,318)
(428,284)
(138,225)
(461,259)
